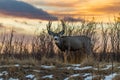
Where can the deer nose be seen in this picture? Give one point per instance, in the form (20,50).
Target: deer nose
(56,38)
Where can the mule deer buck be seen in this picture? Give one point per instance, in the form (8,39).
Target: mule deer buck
(70,43)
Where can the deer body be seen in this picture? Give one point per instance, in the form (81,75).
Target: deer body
(74,43)
(70,43)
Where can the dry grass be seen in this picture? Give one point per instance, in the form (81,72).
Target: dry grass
(52,61)
(12,61)
(90,61)
(41,48)
(117,77)
(41,51)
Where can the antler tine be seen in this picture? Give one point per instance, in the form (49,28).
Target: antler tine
(63,24)
(48,28)
(63,30)
(49,25)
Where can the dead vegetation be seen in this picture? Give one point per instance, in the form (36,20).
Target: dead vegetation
(106,44)
(40,50)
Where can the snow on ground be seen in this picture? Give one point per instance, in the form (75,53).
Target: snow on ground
(89,78)
(13,79)
(110,77)
(83,68)
(107,67)
(76,65)
(48,76)
(16,65)
(3,73)
(118,67)
(46,71)
(10,79)
(74,75)
(37,71)
(87,74)
(47,67)
(1,78)
(31,76)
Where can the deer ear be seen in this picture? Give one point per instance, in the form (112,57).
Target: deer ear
(62,32)
(50,33)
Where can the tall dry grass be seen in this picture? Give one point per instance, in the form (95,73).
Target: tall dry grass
(106,43)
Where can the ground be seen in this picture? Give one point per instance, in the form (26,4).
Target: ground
(60,72)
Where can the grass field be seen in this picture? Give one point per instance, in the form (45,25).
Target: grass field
(40,59)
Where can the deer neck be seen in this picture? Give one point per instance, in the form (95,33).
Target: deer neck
(60,45)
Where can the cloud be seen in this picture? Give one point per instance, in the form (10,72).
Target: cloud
(59,3)
(77,7)
(110,8)
(55,5)
(21,9)
(73,19)
(60,8)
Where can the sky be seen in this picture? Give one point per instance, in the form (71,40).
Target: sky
(41,10)
(57,9)
(77,8)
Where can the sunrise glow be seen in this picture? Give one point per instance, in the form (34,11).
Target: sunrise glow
(27,16)
(78,8)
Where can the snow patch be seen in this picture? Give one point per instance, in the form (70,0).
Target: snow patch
(17,65)
(13,79)
(48,76)
(4,73)
(87,74)
(79,68)
(30,76)
(118,67)
(3,66)
(107,67)
(1,78)
(68,68)
(110,77)
(76,65)
(74,75)
(83,68)
(47,67)
(95,68)
(88,78)
(37,71)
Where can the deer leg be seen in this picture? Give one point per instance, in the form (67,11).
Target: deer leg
(90,51)
(87,57)
(87,52)
(65,56)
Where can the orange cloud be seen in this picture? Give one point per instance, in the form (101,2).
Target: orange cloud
(108,8)
(77,8)
(59,5)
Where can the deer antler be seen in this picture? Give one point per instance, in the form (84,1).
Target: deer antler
(48,28)
(63,30)
(63,24)
(49,25)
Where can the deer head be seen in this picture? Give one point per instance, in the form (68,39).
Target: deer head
(56,36)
